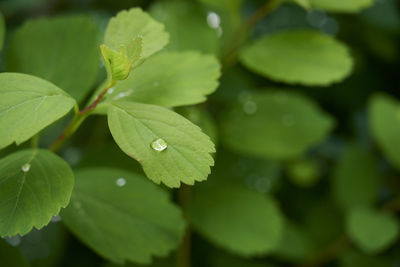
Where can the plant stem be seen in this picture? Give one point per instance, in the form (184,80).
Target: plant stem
(240,34)
(80,116)
(184,251)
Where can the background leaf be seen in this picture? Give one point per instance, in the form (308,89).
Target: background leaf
(384,122)
(235,218)
(63,50)
(122,216)
(2,31)
(356,178)
(27,105)
(11,256)
(343,6)
(35,185)
(132,23)
(372,230)
(186,22)
(281,57)
(274,124)
(225,4)
(295,244)
(170,79)
(187,156)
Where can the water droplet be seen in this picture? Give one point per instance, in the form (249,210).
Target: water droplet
(316,18)
(110,91)
(121,182)
(123,94)
(56,218)
(213,20)
(250,107)
(288,120)
(331,26)
(159,144)
(72,155)
(14,240)
(26,167)
(259,183)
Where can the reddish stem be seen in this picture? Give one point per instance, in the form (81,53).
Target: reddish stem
(95,102)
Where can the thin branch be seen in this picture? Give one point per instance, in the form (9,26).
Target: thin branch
(80,116)
(183,256)
(239,35)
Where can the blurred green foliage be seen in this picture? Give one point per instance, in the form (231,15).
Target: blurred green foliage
(305,119)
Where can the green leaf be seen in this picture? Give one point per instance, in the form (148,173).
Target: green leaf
(275,124)
(122,216)
(352,258)
(384,117)
(141,130)
(231,5)
(45,247)
(170,79)
(2,31)
(34,186)
(130,24)
(118,64)
(235,218)
(342,6)
(220,259)
(63,50)
(299,57)
(303,172)
(303,3)
(11,256)
(356,178)
(371,230)
(295,244)
(27,105)
(203,119)
(187,25)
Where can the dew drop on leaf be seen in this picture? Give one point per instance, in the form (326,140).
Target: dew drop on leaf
(110,91)
(26,167)
(250,107)
(56,218)
(120,182)
(159,144)
(14,240)
(213,20)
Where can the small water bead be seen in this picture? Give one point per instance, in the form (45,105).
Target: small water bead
(123,94)
(110,91)
(159,145)
(14,240)
(317,18)
(213,20)
(56,218)
(26,167)
(121,182)
(72,155)
(250,107)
